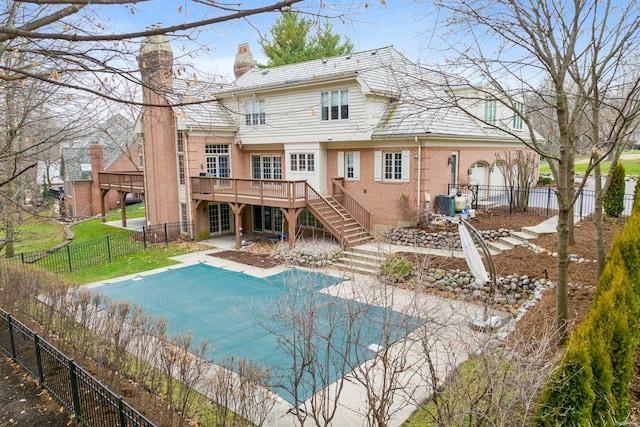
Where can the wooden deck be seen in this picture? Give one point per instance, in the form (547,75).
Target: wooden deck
(131,182)
(282,194)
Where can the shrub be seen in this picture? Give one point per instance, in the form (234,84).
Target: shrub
(396,269)
(635,191)
(614,199)
(568,398)
(545,180)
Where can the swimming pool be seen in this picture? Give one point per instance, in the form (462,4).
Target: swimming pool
(246,317)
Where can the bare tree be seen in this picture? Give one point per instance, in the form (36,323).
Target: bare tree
(519,171)
(579,48)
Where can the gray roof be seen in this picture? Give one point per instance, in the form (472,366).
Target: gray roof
(420,96)
(196,107)
(114,134)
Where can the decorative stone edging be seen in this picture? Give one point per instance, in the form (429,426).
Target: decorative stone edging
(512,292)
(445,240)
(309,255)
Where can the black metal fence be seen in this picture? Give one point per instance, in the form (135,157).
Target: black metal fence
(91,402)
(74,257)
(540,201)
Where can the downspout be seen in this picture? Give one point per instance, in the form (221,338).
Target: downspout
(188,183)
(419,170)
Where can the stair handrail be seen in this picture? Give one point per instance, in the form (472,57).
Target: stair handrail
(364,216)
(326,202)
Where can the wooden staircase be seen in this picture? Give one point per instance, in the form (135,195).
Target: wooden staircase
(337,219)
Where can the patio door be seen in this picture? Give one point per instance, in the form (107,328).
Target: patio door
(219,218)
(267,219)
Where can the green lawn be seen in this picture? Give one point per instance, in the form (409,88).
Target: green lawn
(93,229)
(631,167)
(130,264)
(133,211)
(37,234)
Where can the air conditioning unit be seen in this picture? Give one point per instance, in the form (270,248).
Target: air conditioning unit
(445,205)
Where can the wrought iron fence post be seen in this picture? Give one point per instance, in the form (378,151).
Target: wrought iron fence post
(109,248)
(548,200)
(123,419)
(581,202)
(144,238)
(36,341)
(69,259)
(511,199)
(74,388)
(166,236)
(22,257)
(13,343)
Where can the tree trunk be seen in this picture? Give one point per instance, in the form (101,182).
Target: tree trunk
(562,287)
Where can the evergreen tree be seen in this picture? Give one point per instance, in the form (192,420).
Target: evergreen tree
(614,199)
(293,41)
(568,398)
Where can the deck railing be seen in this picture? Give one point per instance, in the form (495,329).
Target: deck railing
(335,225)
(259,190)
(132,180)
(351,204)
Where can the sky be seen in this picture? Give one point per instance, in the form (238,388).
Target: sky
(405,25)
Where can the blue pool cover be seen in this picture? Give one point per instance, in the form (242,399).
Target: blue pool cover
(250,318)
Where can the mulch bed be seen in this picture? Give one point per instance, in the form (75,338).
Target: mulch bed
(249,258)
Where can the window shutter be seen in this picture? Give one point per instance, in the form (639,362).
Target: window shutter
(377,167)
(405,165)
(356,165)
(340,164)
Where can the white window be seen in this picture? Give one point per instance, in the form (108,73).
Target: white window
(391,166)
(303,162)
(517,116)
(349,165)
(307,220)
(335,105)
(183,217)
(180,150)
(490,110)
(218,160)
(255,112)
(266,167)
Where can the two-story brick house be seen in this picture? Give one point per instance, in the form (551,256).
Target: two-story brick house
(349,143)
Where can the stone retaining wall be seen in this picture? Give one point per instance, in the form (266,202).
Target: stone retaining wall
(446,240)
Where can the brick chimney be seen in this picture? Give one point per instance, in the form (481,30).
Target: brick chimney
(159,139)
(244,60)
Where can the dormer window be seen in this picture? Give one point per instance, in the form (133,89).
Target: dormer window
(517,116)
(490,110)
(255,112)
(335,104)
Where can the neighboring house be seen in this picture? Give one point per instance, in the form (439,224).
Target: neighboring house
(350,144)
(112,147)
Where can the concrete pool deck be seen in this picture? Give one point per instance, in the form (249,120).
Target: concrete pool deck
(447,335)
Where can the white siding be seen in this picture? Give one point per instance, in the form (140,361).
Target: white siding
(296,117)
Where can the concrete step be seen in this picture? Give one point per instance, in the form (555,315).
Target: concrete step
(510,241)
(498,247)
(354,269)
(524,235)
(360,261)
